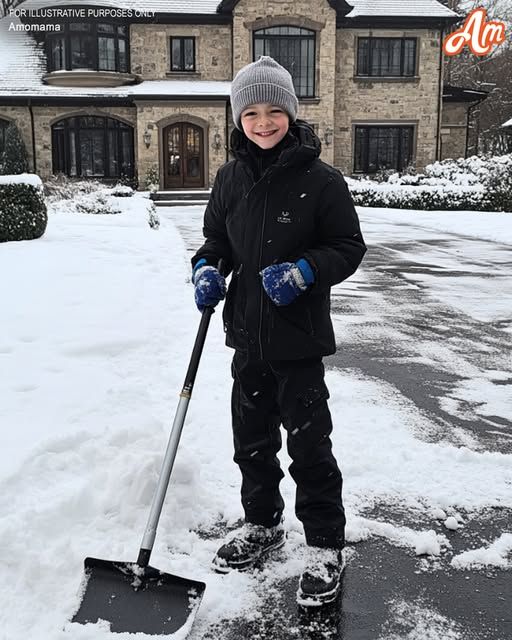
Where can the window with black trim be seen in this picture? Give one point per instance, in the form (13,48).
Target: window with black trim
(183,53)
(93,147)
(386,57)
(294,49)
(378,148)
(94,46)
(3,129)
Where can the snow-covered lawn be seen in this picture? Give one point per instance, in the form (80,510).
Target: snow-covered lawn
(96,329)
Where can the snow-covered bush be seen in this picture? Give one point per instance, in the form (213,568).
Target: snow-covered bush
(466,184)
(61,187)
(153,217)
(13,160)
(121,191)
(23,214)
(152,179)
(97,203)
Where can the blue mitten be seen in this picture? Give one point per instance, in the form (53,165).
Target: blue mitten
(210,286)
(285,281)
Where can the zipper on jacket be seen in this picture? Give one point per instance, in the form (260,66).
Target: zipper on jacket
(259,268)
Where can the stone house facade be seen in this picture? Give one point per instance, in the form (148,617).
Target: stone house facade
(118,91)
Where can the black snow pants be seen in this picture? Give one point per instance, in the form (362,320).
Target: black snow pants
(265,395)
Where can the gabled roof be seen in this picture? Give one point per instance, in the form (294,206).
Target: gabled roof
(399,8)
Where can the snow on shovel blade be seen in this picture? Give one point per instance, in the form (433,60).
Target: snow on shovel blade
(134,599)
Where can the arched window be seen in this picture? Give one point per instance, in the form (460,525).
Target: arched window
(294,48)
(93,147)
(95,46)
(3,128)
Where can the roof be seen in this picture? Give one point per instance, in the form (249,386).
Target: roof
(508,123)
(399,8)
(461,94)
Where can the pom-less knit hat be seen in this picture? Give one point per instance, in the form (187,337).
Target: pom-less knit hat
(263,81)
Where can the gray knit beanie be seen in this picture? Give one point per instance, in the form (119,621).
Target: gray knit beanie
(263,81)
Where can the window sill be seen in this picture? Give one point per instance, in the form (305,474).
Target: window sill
(183,74)
(309,100)
(374,79)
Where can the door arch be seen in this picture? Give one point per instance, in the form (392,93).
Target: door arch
(183,145)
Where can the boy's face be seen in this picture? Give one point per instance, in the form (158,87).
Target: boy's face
(265,124)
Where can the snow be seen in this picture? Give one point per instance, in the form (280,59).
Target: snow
(23,178)
(497,554)
(98,322)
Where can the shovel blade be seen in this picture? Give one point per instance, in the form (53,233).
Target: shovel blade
(137,600)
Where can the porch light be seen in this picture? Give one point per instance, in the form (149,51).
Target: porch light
(328,135)
(147,138)
(217,141)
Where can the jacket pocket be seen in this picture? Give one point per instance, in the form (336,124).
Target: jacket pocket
(296,316)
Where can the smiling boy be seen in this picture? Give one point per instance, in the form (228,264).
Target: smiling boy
(285,225)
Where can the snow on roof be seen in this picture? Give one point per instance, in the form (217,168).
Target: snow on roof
(382,8)
(23,64)
(508,123)
(159,6)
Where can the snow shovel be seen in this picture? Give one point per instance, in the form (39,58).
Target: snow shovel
(135,597)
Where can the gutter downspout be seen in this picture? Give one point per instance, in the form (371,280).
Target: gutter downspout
(440,95)
(34,161)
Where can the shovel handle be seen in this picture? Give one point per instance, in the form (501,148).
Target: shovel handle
(174,438)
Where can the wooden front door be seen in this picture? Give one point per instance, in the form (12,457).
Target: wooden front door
(183,156)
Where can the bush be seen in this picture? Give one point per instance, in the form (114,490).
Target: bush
(23,214)
(152,179)
(61,187)
(96,203)
(466,184)
(14,158)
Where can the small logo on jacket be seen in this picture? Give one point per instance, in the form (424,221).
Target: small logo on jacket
(284,217)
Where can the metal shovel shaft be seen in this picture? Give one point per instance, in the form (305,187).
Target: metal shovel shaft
(172,447)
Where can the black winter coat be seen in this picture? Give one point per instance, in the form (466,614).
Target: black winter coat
(300,207)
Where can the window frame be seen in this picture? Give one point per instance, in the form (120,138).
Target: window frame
(181,40)
(4,124)
(310,36)
(403,160)
(67,146)
(63,39)
(372,42)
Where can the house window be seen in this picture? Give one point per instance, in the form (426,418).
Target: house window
(183,54)
(3,129)
(378,147)
(385,57)
(294,49)
(93,46)
(93,147)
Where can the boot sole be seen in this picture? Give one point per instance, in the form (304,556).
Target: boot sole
(249,564)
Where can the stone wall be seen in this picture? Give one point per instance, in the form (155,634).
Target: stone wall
(363,101)
(453,130)
(151,58)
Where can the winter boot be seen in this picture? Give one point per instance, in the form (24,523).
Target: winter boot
(249,544)
(320,581)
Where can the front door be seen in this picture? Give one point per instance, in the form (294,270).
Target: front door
(183,150)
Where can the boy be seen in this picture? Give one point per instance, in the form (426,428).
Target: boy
(285,225)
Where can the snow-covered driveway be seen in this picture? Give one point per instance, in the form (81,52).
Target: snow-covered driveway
(97,325)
